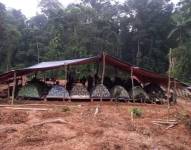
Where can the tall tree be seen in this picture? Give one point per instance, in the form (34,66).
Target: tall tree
(182,34)
(145,24)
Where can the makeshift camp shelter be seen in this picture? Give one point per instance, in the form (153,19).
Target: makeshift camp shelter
(141,74)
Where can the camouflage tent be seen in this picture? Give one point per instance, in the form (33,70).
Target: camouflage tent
(34,89)
(79,91)
(100,91)
(119,92)
(58,91)
(29,91)
(138,93)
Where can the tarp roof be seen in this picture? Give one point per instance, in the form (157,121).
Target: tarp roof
(142,74)
(44,66)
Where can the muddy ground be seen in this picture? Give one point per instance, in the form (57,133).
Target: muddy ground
(94,126)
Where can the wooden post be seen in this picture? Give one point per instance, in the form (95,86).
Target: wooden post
(174,92)
(14,87)
(132,84)
(103,71)
(169,82)
(66,76)
(8,91)
(103,68)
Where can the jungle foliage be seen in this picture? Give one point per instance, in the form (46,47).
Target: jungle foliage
(138,31)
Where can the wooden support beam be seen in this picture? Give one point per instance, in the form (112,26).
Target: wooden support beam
(169,82)
(132,84)
(66,77)
(14,87)
(8,91)
(103,71)
(66,74)
(103,68)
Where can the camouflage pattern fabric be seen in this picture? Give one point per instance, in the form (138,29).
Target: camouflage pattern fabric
(100,91)
(119,92)
(29,91)
(139,93)
(58,91)
(79,91)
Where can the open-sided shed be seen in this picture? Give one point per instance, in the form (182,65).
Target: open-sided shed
(141,74)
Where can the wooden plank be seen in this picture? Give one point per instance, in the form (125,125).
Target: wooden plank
(14,87)
(30,109)
(132,84)
(8,91)
(169,82)
(66,74)
(103,68)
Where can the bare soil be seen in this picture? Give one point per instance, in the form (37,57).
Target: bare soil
(94,126)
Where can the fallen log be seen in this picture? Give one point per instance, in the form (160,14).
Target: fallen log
(58,120)
(30,109)
(169,123)
(158,124)
(164,122)
(170,126)
(170,120)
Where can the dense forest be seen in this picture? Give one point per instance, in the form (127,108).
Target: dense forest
(140,32)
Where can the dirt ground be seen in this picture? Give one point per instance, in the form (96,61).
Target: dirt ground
(93,126)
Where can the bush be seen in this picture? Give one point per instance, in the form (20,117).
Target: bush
(137,112)
(65,109)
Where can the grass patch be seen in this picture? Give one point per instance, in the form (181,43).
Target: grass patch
(137,112)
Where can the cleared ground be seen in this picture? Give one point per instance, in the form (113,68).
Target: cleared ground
(93,126)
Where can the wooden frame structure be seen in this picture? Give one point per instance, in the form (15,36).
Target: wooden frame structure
(143,75)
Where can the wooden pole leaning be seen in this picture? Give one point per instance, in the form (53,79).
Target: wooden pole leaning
(8,91)
(66,76)
(14,87)
(169,82)
(103,70)
(132,82)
